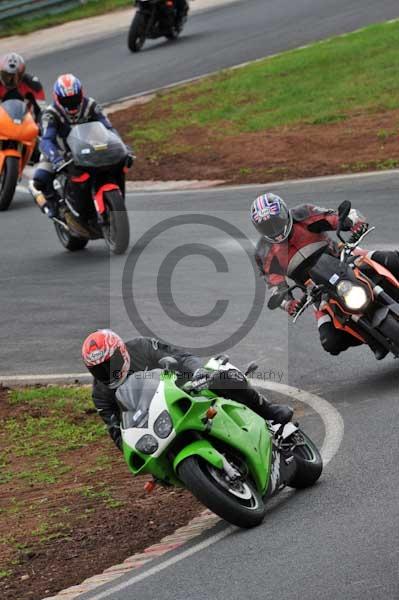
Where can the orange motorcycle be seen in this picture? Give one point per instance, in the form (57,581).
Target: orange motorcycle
(359,294)
(18,136)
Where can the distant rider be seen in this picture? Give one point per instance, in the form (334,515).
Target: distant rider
(16,84)
(291,243)
(70,107)
(110,360)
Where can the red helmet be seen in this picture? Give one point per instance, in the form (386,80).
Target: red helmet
(68,95)
(12,68)
(106,356)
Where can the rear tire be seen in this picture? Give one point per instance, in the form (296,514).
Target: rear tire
(309,464)
(8,181)
(117,232)
(137,31)
(70,242)
(197,476)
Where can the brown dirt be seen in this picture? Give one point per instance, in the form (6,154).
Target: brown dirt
(361,142)
(55,535)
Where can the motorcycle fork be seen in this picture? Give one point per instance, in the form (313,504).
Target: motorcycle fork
(150,14)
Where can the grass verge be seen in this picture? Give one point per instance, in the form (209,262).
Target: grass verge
(69,507)
(319,85)
(92,8)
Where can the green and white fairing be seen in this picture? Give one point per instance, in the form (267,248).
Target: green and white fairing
(199,440)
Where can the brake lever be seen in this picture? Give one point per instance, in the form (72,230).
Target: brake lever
(302,309)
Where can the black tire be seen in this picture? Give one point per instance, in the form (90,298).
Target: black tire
(196,474)
(309,464)
(70,242)
(137,31)
(117,231)
(8,181)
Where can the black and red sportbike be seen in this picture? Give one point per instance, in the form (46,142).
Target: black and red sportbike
(154,19)
(91,185)
(360,294)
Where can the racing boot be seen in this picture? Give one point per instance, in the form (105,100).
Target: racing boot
(278,413)
(48,204)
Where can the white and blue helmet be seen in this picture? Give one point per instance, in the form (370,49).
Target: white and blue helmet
(271,217)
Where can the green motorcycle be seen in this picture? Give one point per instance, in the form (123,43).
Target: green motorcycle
(230,458)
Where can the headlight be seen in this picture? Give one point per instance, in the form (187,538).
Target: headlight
(163,425)
(354,296)
(147,444)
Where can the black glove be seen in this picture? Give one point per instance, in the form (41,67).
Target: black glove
(114,430)
(129,160)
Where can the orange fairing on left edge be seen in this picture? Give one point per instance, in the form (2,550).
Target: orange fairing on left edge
(99,196)
(24,133)
(337,323)
(380,269)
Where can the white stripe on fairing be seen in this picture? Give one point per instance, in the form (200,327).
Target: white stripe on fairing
(158,405)
(334,431)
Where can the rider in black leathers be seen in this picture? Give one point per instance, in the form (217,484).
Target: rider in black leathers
(144,353)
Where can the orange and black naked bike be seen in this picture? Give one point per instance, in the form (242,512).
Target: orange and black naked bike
(18,135)
(360,295)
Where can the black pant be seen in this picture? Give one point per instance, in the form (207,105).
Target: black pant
(233,385)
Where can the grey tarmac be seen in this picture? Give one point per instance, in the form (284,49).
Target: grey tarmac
(338,540)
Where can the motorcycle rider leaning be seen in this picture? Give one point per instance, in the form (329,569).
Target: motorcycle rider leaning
(70,107)
(291,243)
(110,360)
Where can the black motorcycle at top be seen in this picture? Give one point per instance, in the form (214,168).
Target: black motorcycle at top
(154,19)
(91,185)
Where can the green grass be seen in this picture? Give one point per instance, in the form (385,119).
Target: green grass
(318,85)
(54,420)
(90,9)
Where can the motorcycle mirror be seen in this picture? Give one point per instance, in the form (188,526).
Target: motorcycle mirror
(224,358)
(344,210)
(168,363)
(276,300)
(251,368)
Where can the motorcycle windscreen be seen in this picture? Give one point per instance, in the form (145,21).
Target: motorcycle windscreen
(16,110)
(326,268)
(135,395)
(93,146)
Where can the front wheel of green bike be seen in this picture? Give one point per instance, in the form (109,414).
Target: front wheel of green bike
(235,500)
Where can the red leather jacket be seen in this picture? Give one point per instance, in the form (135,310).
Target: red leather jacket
(308,238)
(29,89)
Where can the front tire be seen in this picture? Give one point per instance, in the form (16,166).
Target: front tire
(242,506)
(137,32)
(69,241)
(8,181)
(116,232)
(309,464)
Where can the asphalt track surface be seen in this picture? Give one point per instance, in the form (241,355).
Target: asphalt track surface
(338,540)
(213,39)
